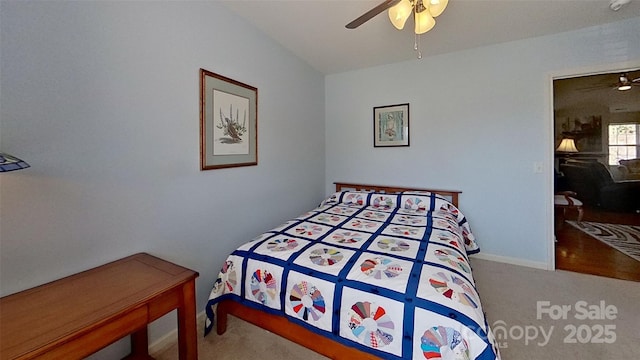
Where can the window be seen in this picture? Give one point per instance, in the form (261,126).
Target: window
(623,142)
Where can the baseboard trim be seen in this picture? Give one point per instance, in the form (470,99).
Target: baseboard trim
(511,260)
(171,338)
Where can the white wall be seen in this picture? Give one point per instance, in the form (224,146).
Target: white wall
(479,120)
(102,99)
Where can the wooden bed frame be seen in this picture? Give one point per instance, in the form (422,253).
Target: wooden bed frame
(280,325)
(451,194)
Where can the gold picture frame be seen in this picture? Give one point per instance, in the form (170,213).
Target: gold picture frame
(228,122)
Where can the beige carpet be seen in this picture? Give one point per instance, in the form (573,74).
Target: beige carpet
(510,295)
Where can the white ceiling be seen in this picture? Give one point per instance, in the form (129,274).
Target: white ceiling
(315,30)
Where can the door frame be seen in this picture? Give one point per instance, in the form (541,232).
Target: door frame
(557,75)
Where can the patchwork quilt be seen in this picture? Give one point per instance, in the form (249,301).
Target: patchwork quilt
(386,273)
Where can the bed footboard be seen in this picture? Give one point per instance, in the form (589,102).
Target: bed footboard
(281,326)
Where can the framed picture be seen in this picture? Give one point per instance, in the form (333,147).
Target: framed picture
(391,125)
(228,122)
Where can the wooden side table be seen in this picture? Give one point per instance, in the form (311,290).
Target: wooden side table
(76,316)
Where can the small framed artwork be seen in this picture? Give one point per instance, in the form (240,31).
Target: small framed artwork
(391,125)
(228,122)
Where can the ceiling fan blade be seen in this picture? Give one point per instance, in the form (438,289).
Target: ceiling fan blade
(371,13)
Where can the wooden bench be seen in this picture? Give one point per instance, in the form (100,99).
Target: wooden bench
(76,316)
(567,200)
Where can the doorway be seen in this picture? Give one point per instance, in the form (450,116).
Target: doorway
(586,111)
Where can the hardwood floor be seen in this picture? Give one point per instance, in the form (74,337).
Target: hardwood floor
(579,252)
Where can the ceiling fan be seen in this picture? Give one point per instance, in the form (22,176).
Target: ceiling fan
(624,83)
(400,10)
(423,12)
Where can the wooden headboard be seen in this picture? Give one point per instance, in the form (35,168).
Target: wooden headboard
(451,194)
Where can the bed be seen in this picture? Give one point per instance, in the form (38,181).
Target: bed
(372,272)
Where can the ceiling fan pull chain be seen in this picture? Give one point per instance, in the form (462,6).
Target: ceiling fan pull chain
(416,45)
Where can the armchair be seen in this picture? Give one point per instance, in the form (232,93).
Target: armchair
(593,184)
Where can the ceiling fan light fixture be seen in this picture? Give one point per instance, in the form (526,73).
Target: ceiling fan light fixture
(436,7)
(399,13)
(624,83)
(616,5)
(424,22)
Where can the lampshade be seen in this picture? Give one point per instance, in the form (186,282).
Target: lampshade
(399,13)
(424,22)
(11,163)
(436,7)
(567,145)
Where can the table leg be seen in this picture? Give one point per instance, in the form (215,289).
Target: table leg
(139,345)
(580,213)
(187,334)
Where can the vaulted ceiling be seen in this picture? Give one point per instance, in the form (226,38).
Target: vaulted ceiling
(315,30)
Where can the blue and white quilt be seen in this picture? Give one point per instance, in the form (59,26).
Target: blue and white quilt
(386,273)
